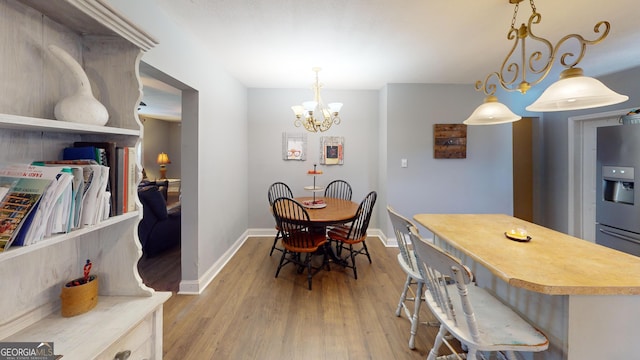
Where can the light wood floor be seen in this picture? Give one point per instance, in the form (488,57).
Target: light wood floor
(246,313)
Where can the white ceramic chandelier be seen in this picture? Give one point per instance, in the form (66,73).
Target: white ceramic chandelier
(573,91)
(307,112)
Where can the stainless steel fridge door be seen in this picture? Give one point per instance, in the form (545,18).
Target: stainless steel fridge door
(618,147)
(621,240)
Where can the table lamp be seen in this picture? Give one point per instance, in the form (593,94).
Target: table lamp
(163,160)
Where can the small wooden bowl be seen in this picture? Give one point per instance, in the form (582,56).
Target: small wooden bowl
(78,299)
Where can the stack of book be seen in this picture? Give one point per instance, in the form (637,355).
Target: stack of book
(93,182)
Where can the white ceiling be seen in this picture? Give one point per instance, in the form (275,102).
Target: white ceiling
(365,44)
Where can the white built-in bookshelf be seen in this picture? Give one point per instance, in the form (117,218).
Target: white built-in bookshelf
(128,317)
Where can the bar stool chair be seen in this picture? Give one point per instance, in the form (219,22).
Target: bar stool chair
(480,321)
(409,264)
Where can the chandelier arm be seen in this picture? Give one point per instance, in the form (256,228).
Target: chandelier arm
(537,56)
(509,70)
(583,43)
(487,87)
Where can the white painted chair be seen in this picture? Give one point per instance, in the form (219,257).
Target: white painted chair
(409,264)
(471,314)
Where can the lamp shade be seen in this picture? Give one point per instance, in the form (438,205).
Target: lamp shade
(335,107)
(163,159)
(491,112)
(297,110)
(574,91)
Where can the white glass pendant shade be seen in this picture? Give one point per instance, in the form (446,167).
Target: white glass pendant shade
(491,112)
(310,105)
(297,110)
(335,107)
(574,91)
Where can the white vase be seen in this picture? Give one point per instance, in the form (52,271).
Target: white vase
(82,106)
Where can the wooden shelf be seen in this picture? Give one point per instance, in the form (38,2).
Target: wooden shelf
(17,251)
(16,122)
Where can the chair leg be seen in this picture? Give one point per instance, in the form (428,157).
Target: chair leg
(309,275)
(436,345)
(416,315)
(353,262)
(366,250)
(284,254)
(275,242)
(511,355)
(403,295)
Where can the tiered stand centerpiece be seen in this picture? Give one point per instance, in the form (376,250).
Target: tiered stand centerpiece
(314,203)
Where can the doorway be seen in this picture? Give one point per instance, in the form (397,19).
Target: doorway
(188,104)
(582,171)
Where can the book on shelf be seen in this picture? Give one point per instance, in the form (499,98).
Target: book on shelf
(24,187)
(105,152)
(132,170)
(54,214)
(96,178)
(120,196)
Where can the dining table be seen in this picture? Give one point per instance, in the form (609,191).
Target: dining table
(585,297)
(335,212)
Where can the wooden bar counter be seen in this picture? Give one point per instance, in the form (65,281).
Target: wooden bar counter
(585,297)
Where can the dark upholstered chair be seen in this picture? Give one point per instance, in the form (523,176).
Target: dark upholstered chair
(159,230)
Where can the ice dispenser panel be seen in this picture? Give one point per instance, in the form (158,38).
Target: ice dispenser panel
(618,184)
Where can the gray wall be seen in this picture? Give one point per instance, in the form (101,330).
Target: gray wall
(481,183)
(270,115)
(161,136)
(214,168)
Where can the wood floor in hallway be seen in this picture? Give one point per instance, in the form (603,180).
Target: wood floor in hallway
(247,313)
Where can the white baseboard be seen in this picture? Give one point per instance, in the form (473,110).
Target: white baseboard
(196,287)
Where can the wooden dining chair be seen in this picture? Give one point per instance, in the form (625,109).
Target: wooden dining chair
(409,264)
(354,233)
(297,237)
(338,189)
(480,321)
(277,190)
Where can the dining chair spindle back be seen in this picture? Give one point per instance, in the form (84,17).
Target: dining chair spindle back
(338,189)
(354,233)
(297,237)
(277,190)
(414,283)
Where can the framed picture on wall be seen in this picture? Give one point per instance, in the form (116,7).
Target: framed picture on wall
(450,141)
(332,150)
(294,146)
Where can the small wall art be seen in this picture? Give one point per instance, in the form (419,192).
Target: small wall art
(332,150)
(450,141)
(294,146)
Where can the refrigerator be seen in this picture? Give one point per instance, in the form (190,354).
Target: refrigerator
(617,203)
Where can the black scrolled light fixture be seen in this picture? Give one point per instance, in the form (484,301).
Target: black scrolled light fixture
(305,113)
(573,91)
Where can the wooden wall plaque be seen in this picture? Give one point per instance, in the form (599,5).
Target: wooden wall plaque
(450,141)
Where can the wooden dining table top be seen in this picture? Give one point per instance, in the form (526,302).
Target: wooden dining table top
(337,210)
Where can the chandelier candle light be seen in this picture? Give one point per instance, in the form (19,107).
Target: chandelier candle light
(573,91)
(305,113)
